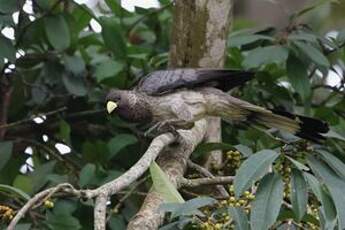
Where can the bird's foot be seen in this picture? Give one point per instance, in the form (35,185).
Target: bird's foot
(162,127)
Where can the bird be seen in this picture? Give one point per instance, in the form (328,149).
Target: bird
(177,98)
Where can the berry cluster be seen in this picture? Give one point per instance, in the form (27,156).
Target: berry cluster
(284,168)
(48,204)
(6,213)
(243,201)
(223,219)
(234,159)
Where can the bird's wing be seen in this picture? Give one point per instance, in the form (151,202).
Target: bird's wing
(164,81)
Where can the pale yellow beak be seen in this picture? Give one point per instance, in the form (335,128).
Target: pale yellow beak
(111,106)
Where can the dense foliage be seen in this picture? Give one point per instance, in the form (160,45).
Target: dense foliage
(56,71)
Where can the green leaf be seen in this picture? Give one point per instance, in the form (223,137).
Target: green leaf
(252,169)
(86,174)
(5,152)
(62,221)
(115,6)
(298,164)
(302,36)
(12,191)
(240,40)
(266,206)
(314,184)
(45,4)
(57,31)
(240,218)
(8,6)
(265,55)
(65,206)
(23,227)
(315,5)
(333,134)
(117,222)
(299,194)
(313,54)
(336,164)
(64,131)
(335,185)
(112,36)
(163,186)
(117,143)
(108,69)
(327,208)
(187,208)
(245,150)
(298,76)
(74,84)
(39,176)
(341,36)
(7,49)
(74,64)
(24,183)
(82,19)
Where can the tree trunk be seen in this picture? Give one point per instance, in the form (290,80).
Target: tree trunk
(198,39)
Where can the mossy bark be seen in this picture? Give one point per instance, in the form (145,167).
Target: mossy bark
(199,37)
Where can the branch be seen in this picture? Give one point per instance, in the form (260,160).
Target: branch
(138,168)
(38,198)
(105,191)
(222,191)
(183,182)
(174,164)
(25,120)
(199,169)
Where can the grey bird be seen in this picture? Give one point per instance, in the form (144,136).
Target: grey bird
(179,97)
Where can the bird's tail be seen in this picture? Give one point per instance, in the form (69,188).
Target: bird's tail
(301,126)
(235,110)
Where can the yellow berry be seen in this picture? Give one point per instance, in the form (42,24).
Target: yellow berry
(242,202)
(218,226)
(232,199)
(48,204)
(251,197)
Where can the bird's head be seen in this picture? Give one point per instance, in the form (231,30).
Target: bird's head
(129,105)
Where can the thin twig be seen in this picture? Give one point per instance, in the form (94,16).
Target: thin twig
(199,169)
(25,120)
(125,197)
(183,182)
(207,173)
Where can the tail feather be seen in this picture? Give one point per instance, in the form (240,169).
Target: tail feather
(234,109)
(304,127)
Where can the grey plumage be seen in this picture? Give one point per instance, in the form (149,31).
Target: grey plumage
(165,81)
(181,97)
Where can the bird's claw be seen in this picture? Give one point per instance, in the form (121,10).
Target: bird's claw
(161,127)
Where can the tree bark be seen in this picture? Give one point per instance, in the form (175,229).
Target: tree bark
(198,39)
